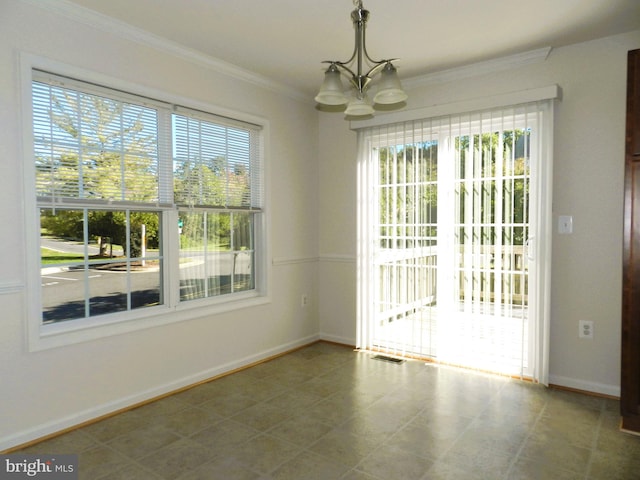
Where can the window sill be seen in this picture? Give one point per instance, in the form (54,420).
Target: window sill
(62,334)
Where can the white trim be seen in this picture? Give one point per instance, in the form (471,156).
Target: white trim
(124,30)
(96,412)
(280,261)
(29,62)
(338,339)
(480,68)
(365,293)
(584,385)
(127,31)
(543,210)
(84,330)
(463,106)
(338,258)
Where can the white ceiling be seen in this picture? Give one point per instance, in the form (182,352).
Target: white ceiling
(286,40)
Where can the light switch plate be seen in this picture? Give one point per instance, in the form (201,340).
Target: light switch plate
(565,224)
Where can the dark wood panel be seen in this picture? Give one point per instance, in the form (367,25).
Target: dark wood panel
(630,399)
(630,358)
(633,105)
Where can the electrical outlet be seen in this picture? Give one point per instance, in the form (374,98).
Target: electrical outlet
(585,329)
(305,300)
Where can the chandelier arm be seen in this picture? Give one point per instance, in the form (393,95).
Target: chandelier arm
(376,67)
(343,66)
(379,65)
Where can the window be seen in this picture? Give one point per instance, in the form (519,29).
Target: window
(143,205)
(213,174)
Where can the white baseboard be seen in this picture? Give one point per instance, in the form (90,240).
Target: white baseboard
(586,386)
(61,424)
(337,339)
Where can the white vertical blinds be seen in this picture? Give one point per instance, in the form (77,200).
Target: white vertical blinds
(492,183)
(454,230)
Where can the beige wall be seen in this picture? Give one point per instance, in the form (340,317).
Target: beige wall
(46,391)
(588,181)
(312,207)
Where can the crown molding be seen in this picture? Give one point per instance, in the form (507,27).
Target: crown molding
(129,32)
(549,92)
(124,30)
(479,68)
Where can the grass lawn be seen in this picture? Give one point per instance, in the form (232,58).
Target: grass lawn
(52,256)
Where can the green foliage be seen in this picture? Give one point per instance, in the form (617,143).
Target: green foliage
(64,223)
(409,192)
(224,230)
(408,177)
(110,226)
(481,163)
(112,151)
(211,183)
(103,148)
(113,224)
(200,184)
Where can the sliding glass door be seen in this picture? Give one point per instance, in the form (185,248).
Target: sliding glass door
(449,236)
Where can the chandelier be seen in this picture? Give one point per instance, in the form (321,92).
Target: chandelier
(389,91)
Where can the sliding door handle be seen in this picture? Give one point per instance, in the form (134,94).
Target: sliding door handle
(529,246)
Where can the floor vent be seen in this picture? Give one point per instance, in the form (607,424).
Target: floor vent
(385,358)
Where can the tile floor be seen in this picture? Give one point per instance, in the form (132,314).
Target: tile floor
(326,412)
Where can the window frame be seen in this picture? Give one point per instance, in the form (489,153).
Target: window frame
(40,336)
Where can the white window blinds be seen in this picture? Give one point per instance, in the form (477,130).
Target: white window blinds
(93,143)
(215,164)
(90,147)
